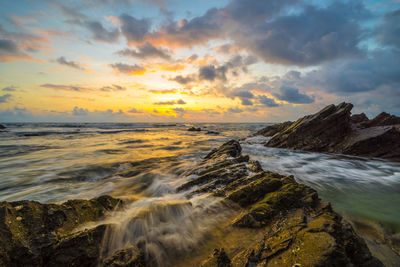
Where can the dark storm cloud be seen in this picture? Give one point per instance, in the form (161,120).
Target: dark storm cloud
(266,101)
(293,95)
(388,32)
(71,64)
(146,50)
(134,29)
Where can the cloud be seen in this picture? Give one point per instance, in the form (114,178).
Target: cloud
(165,91)
(71,64)
(128,69)
(246,102)
(79,88)
(72,88)
(9,51)
(80,111)
(113,87)
(266,101)
(310,36)
(134,110)
(146,50)
(99,33)
(293,95)
(388,32)
(235,110)
(10,88)
(170,103)
(134,30)
(214,72)
(5,98)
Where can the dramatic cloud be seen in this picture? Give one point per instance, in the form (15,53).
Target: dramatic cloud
(134,29)
(146,50)
(5,98)
(128,69)
(71,64)
(215,72)
(293,95)
(10,88)
(170,103)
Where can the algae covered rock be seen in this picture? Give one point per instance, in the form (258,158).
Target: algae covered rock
(28,227)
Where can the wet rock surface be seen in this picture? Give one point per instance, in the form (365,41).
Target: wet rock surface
(194,129)
(295,227)
(334,130)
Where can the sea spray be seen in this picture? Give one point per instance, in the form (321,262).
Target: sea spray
(163,227)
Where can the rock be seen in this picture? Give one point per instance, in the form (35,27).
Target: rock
(298,228)
(333,130)
(280,223)
(212,132)
(273,129)
(194,129)
(219,258)
(358,118)
(382,119)
(28,227)
(319,132)
(127,257)
(2,127)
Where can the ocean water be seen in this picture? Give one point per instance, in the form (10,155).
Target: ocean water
(53,162)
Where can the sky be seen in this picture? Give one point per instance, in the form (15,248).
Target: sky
(196,61)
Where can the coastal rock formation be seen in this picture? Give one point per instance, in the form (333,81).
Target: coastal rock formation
(298,228)
(289,224)
(35,234)
(334,130)
(273,129)
(2,127)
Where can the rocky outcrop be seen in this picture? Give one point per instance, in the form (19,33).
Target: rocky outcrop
(2,127)
(334,130)
(273,129)
(298,228)
(290,225)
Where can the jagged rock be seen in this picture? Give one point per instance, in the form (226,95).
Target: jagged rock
(359,118)
(299,229)
(383,119)
(295,227)
(273,129)
(322,131)
(2,127)
(194,129)
(333,130)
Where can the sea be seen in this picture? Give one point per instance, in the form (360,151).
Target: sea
(144,162)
